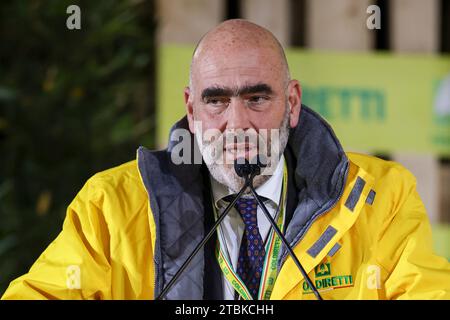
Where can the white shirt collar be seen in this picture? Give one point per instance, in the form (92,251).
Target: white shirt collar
(271,189)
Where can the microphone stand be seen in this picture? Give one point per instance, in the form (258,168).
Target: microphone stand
(283,239)
(248,172)
(203,242)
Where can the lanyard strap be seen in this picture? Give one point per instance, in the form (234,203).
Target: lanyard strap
(272,248)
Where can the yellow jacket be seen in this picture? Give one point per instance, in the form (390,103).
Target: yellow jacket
(380,247)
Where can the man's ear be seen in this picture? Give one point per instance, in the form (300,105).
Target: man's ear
(294,101)
(189,108)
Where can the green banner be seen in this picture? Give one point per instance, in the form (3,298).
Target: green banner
(374,102)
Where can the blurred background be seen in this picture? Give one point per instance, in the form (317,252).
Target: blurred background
(75,102)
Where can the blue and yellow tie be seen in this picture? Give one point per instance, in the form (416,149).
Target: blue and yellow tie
(251,252)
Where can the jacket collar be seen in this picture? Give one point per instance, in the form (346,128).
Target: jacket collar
(320,172)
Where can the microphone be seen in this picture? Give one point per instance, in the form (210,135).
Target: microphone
(251,171)
(248,171)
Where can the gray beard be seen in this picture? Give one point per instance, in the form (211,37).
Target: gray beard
(225,173)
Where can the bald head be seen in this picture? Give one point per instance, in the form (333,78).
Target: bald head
(239,37)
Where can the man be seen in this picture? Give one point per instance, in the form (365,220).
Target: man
(355,222)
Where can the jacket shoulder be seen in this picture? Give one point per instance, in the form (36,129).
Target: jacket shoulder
(395,191)
(115,175)
(383,170)
(118,191)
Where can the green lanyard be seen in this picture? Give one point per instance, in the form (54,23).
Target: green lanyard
(272,248)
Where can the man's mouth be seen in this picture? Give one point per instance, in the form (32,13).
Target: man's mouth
(235,151)
(239,147)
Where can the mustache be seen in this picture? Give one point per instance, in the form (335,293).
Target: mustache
(238,139)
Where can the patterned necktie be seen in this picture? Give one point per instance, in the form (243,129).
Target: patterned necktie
(252,252)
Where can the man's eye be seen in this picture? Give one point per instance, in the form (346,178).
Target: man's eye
(216,101)
(257,99)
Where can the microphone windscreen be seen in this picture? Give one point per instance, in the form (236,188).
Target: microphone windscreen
(242,167)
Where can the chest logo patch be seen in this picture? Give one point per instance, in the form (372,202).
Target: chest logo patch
(325,280)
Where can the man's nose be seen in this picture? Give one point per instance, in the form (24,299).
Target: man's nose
(237,115)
